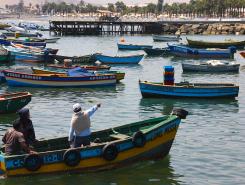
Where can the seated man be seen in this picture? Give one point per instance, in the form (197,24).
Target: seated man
(14,141)
(80,126)
(26,126)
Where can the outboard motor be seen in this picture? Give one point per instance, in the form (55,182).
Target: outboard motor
(181,113)
(232,49)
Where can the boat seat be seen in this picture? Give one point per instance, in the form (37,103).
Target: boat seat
(119,136)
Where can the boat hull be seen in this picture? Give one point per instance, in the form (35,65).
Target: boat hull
(210,68)
(242,54)
(160,38)
(13,102)
(120,60)
(53,80)
(132,47)
(224,45)
(188,91)
(158,143)
(156,51)
(183,51)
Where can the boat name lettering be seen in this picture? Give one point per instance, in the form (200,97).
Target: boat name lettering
(52,158)
(18,162)
(99,78)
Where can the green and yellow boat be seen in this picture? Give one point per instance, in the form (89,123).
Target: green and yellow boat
(111,148)
(11,102)
(217,44)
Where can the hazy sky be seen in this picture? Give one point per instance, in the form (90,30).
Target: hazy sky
(102,2)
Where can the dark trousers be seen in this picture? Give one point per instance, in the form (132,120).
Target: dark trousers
(81,140)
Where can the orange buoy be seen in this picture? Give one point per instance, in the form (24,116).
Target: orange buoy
(122,40)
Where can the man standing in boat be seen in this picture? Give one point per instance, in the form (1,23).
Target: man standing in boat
(80,126)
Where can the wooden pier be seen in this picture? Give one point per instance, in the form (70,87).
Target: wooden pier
(103,27)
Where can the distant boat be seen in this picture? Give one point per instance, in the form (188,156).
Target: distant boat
(165,38)
(211,66)
(46,40)
(185,51)
(215,44)
(11,102)
(88,67)
(132,46)
(7,42)
(57,80)
(132,59)
(188,90)
(157,51)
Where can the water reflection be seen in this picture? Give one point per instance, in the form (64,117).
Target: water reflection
(149,172)
(190,104)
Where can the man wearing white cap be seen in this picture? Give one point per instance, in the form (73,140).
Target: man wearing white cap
(80,126)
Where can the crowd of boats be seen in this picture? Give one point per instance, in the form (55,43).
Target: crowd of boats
(128,143)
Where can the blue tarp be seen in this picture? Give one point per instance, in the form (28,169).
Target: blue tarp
(78,71)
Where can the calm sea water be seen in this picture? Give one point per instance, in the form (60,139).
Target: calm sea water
(209,147)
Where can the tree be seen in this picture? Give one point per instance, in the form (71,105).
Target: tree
(111,7)
(151,7)
(120,6)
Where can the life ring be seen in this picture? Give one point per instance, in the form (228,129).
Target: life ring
(139,139)
(110,152)
(33,162)
(71,157)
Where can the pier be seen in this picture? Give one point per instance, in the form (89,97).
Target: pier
(103,27)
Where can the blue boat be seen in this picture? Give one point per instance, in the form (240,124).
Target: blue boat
(133,59)
(185,51)
(188,90)
(6,42)
(133,46)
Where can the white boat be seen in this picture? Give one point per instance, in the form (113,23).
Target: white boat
(165,38)
(211,66)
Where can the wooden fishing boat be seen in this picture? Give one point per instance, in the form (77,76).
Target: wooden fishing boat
(211,66)
(243,54)
(12,102)
(26,43)
(188,90)
(119,75)
(132,59)
(77,59)
(88,67)
(21,34)
(157,51)
(184,51)
(46,40)
(111,148)
(215,44)
(132,46)
(165,38)
(5,55)
(57,80)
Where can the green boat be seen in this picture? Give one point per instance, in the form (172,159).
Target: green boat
(218,44)
(12,102)
(110,148)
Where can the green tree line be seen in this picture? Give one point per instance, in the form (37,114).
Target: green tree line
(195,8)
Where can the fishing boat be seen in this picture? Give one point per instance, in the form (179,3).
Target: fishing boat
(216,44)
(188,90)
(12,102)
(5,55)
(57,80)
(26,43)
(132,59)
(211,66)
(46,40)
(132,46)
(185,51)
(88,67)
(165,38)
(111,148)
(77,59)
(21,34)
(119,75)
(157,51)
(243,54)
